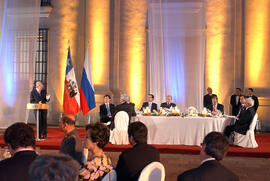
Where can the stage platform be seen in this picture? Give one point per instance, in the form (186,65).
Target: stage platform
(55,137)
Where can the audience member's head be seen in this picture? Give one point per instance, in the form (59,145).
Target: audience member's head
(56,167)
(137,133)
(209,90)
(249,102)
(39,85)
(19,136)
(97,135)
(250,91)
(242,99)
(67,123)
(214,99)
(214,145)
(107,98)
(168,98)
(150,97)
(238,91)
(124,98)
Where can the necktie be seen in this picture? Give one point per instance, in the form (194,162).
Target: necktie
(214,108)
(108,109)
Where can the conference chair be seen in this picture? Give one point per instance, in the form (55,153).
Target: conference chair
(248,140)
(154,171)
(111,176)
(119,134)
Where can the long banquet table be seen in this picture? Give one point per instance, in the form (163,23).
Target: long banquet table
(180,131)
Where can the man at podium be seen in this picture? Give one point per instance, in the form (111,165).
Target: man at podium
(39,96)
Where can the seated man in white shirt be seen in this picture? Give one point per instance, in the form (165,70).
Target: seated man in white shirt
(214,148)
(152,106)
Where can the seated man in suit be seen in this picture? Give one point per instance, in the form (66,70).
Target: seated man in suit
(71,144)
(125,105)
(106,110)
(133,160)
(214,148)
(54,166)
(207,99)
(235,101)
(255,98)
(20,140)
(244,120)
(168,104)
(150,103)
(215,106)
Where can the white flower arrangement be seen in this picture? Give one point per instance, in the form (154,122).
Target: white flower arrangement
(192,111)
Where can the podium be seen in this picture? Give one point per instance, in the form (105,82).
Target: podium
(37,107)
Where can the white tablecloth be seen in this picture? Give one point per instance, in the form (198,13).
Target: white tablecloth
(180,131)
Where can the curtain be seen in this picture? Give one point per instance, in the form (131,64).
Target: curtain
(19,32)
(176,40)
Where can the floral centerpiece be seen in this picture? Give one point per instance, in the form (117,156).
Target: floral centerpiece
(192,111)
(146,111)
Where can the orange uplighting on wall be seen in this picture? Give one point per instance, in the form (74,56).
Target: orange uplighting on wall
(137,69)
(257,16)
(68,29)
(216,18)
(134,33)
(98,26)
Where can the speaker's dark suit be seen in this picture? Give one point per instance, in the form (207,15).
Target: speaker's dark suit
(35,97)
(103,113)
(208,171)
(165,105)
(146,104)
(207,100)
(220,107)
(242,125)
(132,161)
(16,167)
(127,107)
(235,106)
(256,102)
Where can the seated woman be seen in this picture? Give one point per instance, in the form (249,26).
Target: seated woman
(97,136)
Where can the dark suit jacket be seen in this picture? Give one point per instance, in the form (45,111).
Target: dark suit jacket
(72,145)
(35,97)
(153,107)
(245,119)
(128,107)
(103,113)
(220,107)
(256,102)
(207,100)
(16,167)
(132,161)
(235,107)
(208,171)
(165,105)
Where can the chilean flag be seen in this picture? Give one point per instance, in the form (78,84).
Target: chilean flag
(87,87)
(71,92)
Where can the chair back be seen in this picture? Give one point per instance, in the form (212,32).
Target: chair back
(111,176)
(121,120)
(154,171)
(253,123)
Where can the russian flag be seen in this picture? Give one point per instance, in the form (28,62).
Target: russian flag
(87,93)
(71,102)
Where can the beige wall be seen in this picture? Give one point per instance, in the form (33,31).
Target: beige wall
(115,30)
